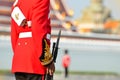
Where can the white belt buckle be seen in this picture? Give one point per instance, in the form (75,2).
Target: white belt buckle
(25,34)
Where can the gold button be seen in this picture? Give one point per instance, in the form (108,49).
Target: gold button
(18,43)
(25,43)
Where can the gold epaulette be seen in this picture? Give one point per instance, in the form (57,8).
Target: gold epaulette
(46,57)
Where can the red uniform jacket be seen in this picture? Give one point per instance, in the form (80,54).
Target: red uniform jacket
(27,50)
(66,61)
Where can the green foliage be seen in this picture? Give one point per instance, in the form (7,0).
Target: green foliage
(71,72)
(5,72)
(88,73)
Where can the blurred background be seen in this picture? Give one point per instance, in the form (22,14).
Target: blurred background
(90,32)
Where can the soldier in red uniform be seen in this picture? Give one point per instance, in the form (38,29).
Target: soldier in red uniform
(66,62)
(30,38)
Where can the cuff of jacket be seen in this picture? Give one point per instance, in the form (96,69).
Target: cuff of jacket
(46,57)
(47,62)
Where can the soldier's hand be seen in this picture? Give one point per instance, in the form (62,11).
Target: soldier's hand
(51,69)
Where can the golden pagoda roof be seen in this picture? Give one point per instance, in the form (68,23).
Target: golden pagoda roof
(59,14)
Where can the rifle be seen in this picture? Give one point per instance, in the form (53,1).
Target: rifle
(54,53)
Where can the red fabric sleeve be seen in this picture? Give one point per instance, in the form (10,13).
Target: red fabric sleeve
(14,35)
(40,23)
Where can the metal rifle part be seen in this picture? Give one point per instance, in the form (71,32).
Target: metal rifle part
(53,48)
(54,53)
